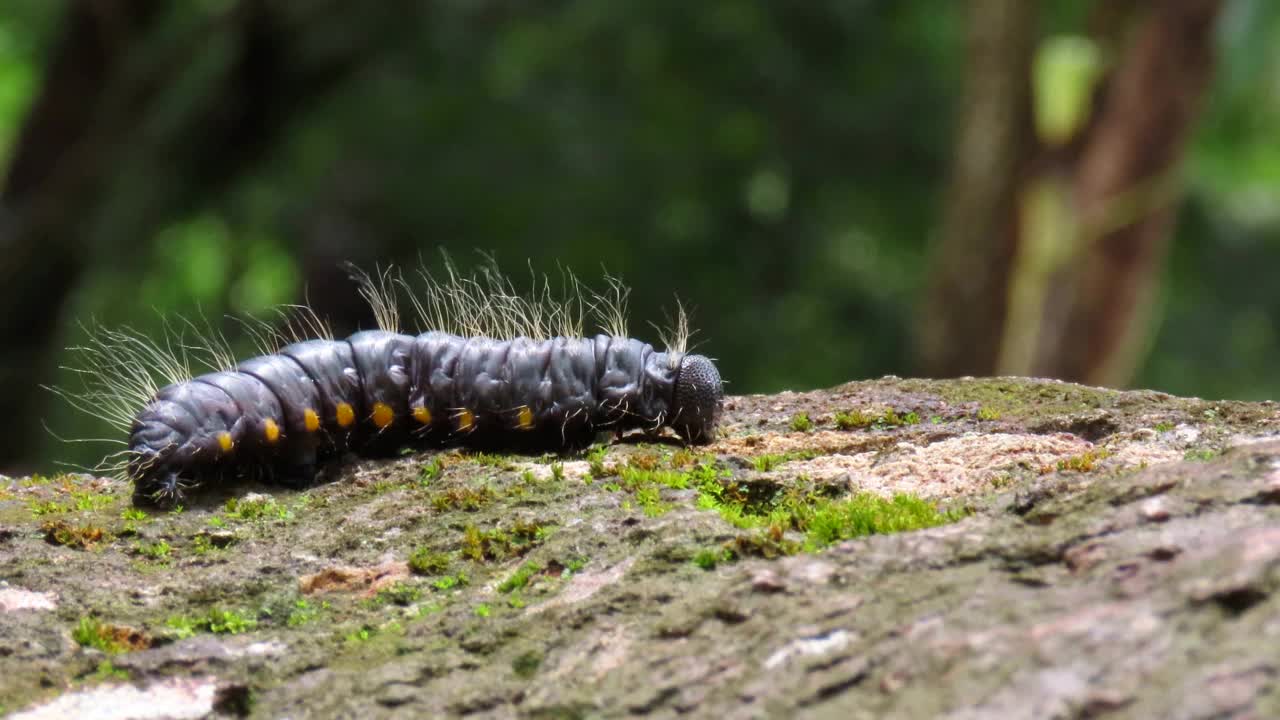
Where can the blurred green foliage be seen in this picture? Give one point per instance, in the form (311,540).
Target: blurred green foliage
(778,165)
(24,29)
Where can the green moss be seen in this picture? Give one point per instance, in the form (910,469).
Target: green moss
(800,422)
(132,517)
(1084,462)
(483,610)
(857,420)
(157,551)
(304,612)
(1164,426)
(501,462)
(520,578)
(430,471)
(772,513)
(768,461)
(595,463)
(256,508)
(633,478)
(449,582)
(650,500)
(430,608)
(485,545)
(40,508)
(400,593)
(217,621)
(1201,454)
(869,514)
(424,561)
(988,413)
(202,545)
(708,559)
(467,499)
(89,501)
(91,633)
(853,420)
(526,664)
(1002,481)
(557,472)
(645,485)
(106,672)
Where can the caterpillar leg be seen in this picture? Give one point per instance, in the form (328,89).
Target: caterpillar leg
(163,491)
(295,476)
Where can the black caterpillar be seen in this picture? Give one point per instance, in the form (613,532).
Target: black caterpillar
(284,413)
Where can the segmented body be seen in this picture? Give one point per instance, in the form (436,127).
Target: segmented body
(378,391)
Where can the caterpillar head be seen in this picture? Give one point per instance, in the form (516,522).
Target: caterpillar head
(698,399)
(168,449)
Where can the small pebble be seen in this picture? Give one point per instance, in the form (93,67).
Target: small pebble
(1154,510)
(767,581)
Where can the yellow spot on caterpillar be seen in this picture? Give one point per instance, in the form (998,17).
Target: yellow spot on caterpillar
(346,415)
(383,415)
(311,419)
(524,418)
(422,415)
(270,431)
(466,420)
(225,442)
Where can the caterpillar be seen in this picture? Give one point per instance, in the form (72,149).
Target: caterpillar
(497,369)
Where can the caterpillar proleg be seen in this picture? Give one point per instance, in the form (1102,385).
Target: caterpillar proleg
(495,368)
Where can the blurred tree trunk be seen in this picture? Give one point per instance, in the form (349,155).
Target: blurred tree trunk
(55,162)
(1052,244)
(961,328)
(147,110)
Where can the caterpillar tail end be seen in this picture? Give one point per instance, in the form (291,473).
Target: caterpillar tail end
(699,400)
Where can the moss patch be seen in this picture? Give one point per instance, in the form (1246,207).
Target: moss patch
(496,544)
(111,639)
(256,507)
(859,420)
(520,578)
(80,537)
(830,521)
(807,509)
(469,499)
(800,422)
(215,620)
(425,561)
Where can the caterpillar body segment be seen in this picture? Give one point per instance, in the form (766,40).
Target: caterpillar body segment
(377,391)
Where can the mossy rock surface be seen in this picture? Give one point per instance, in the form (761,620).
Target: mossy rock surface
(1094,554)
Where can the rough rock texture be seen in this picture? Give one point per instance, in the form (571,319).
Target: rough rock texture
(1120,558)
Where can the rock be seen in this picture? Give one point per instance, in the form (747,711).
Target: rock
(1107,554)
(15,598)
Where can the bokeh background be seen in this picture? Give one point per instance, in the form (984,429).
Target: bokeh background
(840,189)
